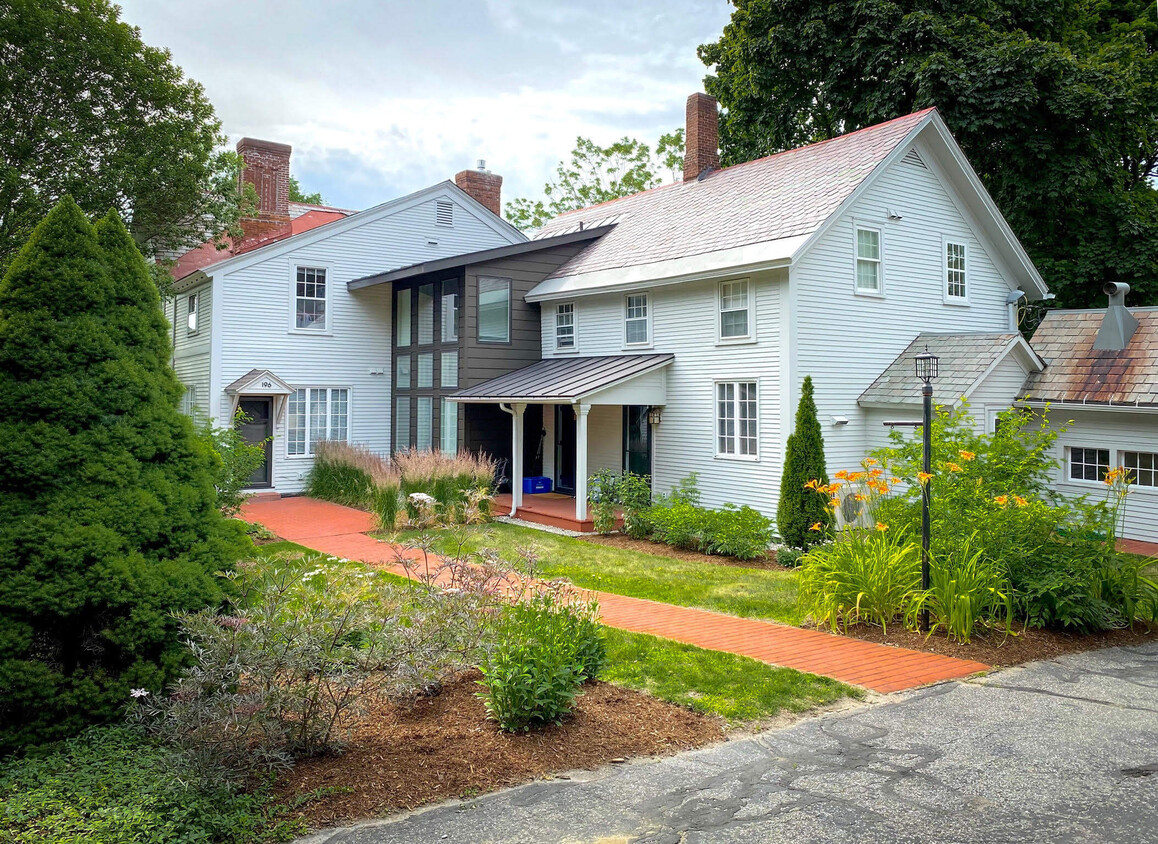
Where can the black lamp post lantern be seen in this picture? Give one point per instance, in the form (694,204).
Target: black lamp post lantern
(926,371)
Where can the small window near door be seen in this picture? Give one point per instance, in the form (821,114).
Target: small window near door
(636,320)
(565,327)
(192,312)
(315,414)
(448,437)
(735,321)
(1089,464)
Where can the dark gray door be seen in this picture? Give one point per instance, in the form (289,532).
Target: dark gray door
(259,429)
(636,440)
(565,449)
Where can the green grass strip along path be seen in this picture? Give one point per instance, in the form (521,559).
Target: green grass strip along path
(748,593)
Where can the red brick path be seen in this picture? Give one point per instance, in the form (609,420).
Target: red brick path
(341,531)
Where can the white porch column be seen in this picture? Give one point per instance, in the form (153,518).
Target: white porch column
(517,455)
(581,411)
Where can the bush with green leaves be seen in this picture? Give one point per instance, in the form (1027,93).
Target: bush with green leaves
(113,785)
(546,647)
(965,589)
(236,458)
(108,513)
(802,507)
(676,519)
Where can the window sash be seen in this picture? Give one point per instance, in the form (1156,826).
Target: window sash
(449,374)
(425,314)
(734,310)
(955,263)
(402,335)
(737,419)
(449,317)
(448,436)
(314,414)
(402,423)
(1089,464)
(425,376)
(402,372)
(868,260)
(191,307)
(635,319)
(494,310)
(310,299)
(565,326)
(424,429)
(1142,467)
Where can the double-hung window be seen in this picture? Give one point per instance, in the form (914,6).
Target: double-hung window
(735,319)
(192,312)
(955,287)
(737,431)
(1141,467)
(1089,464)
(494,310)
(565,327)
(868,260)
(310,299)
(449,317)
(314,414)
(636,320)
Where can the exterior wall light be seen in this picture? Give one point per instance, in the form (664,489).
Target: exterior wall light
(654,415)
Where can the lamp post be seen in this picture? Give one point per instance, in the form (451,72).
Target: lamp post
(926,370)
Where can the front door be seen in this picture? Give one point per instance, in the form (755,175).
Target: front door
(565,437)
(258,428)
(636,440)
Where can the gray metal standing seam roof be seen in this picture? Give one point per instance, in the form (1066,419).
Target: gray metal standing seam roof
(563,378)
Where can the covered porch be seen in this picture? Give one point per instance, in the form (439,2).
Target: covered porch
(576,391)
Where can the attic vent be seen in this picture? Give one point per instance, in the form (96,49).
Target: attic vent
(911,157)
(444,213)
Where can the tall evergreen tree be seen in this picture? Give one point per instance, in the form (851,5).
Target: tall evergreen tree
(108,519)
(800,507)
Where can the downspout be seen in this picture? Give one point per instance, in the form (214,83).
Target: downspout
(506,408)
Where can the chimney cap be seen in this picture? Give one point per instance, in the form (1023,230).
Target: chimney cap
(266,146)
(482,165)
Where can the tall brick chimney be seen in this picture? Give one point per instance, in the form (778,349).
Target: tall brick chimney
(483,186)
(266,166)
(702,139)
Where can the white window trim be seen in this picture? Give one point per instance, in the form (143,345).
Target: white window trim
(646,344)
(193,315)
(960,301)
(349,418)
(574,347)
(1135,487)
(750,337)
(328,331)
(478,307)
(743,458)
(1067,464)
(879,293)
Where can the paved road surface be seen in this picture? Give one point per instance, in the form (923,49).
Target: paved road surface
(1059,751)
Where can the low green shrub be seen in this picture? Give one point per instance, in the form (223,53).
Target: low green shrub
(112,785)
(739,532)
(677,519)
(678,524)
(546,648)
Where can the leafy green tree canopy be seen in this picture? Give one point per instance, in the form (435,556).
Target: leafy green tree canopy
(296,195)
(1055,103)
(597,174)
(802,516)
(88,110)
(108,515)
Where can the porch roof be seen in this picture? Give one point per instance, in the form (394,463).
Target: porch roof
(564,379)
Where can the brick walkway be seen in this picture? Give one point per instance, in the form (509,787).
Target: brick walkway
(341,531)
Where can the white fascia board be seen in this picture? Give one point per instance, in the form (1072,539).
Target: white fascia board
(723,262)
(370,215)
(1122,407)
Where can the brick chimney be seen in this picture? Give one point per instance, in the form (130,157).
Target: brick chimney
(266,166)
(702,141)
(483,186)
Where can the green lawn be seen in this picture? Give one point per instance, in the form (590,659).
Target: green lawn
(734,687)
(749,593)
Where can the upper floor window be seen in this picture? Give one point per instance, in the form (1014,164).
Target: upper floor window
(955,287)
(494,310)
(735,322)
(1089,464)
(868,260)
(636,320)
(736,420)
(315,414)
(192,312)
(310,299)
(449,317)
(1141,467)
(425,314)
(565,327)
(402,318)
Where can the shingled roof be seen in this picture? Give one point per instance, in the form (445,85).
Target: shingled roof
(964,359)
(785,195)
(1076,372)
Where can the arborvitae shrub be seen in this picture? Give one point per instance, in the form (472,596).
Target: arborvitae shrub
(108,517)
(801,508)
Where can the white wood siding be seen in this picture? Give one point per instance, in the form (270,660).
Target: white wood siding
(605,438)
(844,340)
(997,392)
(191,352)
(684,322)
(1118,432)
(256,304)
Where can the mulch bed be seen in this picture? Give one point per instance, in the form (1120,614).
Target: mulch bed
(401,757)
(646,546)
(996,649)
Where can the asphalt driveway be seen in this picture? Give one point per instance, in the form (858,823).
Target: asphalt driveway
(1059,751)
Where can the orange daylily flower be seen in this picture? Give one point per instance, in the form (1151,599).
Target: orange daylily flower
(815,526)
(856,477)
(1019,501)
(923,477)
(812,484)
(1002,499)
(876,473)
(882,527)
(842,475)
(953,467)
(967,455)
(894,480)
(860,496)
(868,461)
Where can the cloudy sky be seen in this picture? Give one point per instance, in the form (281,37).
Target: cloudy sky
(382,98)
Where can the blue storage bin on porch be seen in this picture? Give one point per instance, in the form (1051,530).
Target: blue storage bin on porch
(536,484)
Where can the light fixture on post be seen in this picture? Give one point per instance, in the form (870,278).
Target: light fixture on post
(654,415)
(926,363)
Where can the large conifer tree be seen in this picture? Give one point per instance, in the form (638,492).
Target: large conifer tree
(108,520)
(800,507)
